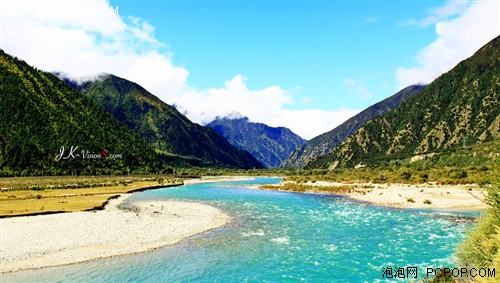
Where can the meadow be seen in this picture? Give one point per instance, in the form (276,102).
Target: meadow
(41,195)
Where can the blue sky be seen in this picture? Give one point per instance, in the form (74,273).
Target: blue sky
(310,48)
(305,65)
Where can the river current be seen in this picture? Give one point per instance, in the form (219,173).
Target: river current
(280,237)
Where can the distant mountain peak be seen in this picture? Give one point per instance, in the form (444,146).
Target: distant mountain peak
(269,145)
(235,115)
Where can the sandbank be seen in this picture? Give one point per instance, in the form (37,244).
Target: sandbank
(31,242)
(419,196)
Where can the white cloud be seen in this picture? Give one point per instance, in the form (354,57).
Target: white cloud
(76,38)
(471,26)
(358,87)
(308,123)
(204,106)
(451,9)
(84,39)
(265,106)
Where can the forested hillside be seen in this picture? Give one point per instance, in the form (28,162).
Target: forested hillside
(40,114)
(325,143)
(163,127)
(458,109)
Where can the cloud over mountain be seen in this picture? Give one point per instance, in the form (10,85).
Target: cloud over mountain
(461,27)
(85,39)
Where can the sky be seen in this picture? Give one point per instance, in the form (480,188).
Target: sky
(305,65)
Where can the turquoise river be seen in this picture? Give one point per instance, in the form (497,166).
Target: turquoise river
(279,237)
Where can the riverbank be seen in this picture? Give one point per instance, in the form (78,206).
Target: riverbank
(211,179)
(421,196)
(32,242)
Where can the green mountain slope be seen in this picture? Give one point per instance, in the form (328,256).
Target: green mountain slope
(39,114)
(268,144)
(162,126)
(323,144)
(461,106)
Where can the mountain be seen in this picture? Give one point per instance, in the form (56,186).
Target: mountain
(268,144)
(162,126)
(461,108)
(46,127)
(323,144)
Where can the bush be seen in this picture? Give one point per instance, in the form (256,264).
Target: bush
(426,201)
(483,168)
(482,246)
(460,175)
(406,175)
(424,176)
(410,200)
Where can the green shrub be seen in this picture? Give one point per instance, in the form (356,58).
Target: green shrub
(424,176)
(459,175)
(483,168)
(406,175)
(480,242)
(481,249)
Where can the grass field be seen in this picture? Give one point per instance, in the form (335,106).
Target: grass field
(35,195)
